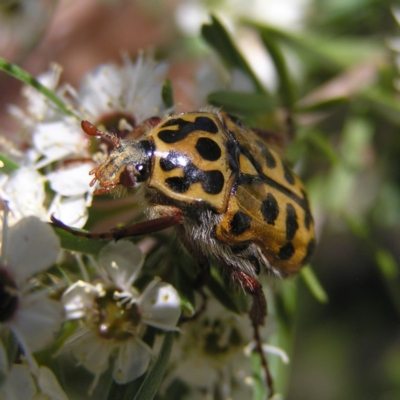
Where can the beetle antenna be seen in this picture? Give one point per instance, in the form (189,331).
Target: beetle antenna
(91,130)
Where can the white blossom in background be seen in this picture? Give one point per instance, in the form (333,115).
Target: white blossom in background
(190,15)
(28,248)
(212,355)
(114,315)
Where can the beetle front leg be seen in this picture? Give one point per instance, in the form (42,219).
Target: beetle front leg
(137,229)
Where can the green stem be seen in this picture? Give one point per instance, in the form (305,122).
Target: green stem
(28,79)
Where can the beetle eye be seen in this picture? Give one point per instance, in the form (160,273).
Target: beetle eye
(139,167)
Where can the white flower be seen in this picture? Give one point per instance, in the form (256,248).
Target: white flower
(131,91)
(29,247)
(21,383)
(117,97)
(25,193)
(212,356)
(115,315)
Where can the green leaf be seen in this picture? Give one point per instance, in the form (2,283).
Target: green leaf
(79,244)
(241,102)
(259,387)
(28,79)
(6,165)
(286,90)
(330,53)
(217,37)
(313,284)
(386,263)
(384,103)
(322,145)
(153,379)
(167,93)
(223,294)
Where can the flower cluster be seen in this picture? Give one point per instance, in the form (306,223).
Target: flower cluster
(116,97)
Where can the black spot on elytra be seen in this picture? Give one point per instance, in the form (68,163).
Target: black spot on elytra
(269,158)
(237,121)
(309,252)
(288,173)
(233,155)
(270,209)
(286,251)
(208,149)
(185,128)
(212,182)
(240,223)
(307,213)
(291,221)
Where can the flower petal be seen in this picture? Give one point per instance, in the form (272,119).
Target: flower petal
(32,247)
(123,261)
(92,352)
(49,385)
(160,306)
(132,361)
(18,385)
(71,181)
(25,193)
(56,140)
(72,211)
(38,318)
(78,298)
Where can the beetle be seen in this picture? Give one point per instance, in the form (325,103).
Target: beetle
(228,193)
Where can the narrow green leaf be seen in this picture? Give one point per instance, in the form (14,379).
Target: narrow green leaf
(153,379)
(79,244)
(322,145)
(386,263)
(28,79)
(217,37)
(286,90)
(6,165)
(313,284)
(242,102)
(167,93)
(259,387)
(330,53)
(327,105)
(222,294)
(384,103)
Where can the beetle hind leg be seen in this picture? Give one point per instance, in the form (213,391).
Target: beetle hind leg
(257,314)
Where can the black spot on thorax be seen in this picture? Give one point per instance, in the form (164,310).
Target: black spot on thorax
(208,149)
(185,128)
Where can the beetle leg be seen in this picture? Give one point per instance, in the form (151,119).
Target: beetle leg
(140,228)
(257,314)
